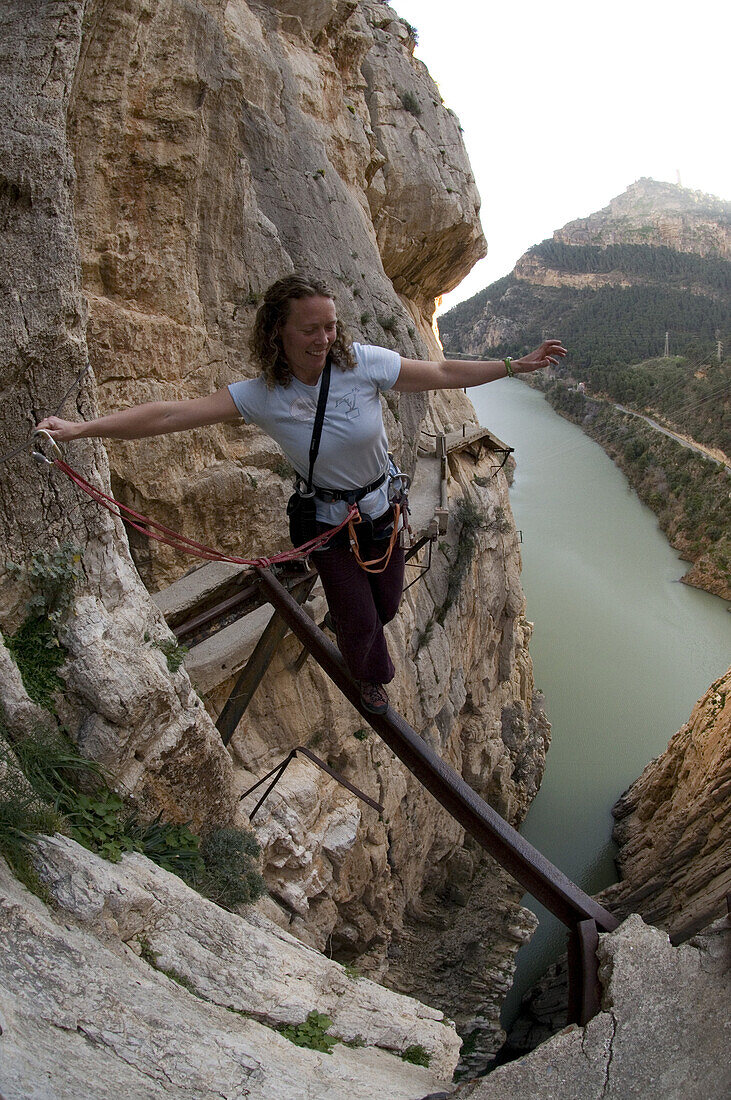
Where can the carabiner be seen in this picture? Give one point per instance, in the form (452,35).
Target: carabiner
(38,456)
(300,488)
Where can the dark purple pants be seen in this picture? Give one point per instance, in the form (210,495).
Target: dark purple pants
(360,603)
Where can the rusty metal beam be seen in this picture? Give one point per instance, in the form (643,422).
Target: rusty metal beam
(584,988)
(534,872)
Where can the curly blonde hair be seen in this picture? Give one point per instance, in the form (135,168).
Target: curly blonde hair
(265,342)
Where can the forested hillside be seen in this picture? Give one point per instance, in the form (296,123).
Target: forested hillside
(648,326)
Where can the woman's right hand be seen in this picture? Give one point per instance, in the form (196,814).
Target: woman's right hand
(60,430)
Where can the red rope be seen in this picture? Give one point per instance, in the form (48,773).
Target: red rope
(189,546)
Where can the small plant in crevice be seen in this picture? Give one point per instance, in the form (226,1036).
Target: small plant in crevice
(388,323)
(470,520)
(96,822)
(283,469)
(39,655)
(23,816)
(410,103)
(172,846)
(35,646)
(417,1055)
(312,1033)
(148,955)
(52,576)
(362,734)
(173,652)
(229,876)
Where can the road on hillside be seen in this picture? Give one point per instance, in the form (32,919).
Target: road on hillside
(672,435)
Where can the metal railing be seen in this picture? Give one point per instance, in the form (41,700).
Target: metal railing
(583,916)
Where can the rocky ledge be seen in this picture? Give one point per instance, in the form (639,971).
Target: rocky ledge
(131,984)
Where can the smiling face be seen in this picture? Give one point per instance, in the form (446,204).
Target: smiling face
(307,336)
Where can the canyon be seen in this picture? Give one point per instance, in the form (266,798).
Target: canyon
(160,164)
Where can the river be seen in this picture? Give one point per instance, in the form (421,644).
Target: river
(621,650)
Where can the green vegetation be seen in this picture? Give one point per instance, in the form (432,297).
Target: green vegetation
(352,971)
(410,103)
(690,397)
(173,652)
(23,816)
(673,268)
(312,1033)
(39,655)
(41,778)
(172,846)
(97,821)
(616,339)
(469,520)
(417,1055)
(35,646)
(47,785)
(228,875)
(602,327)
(148,955)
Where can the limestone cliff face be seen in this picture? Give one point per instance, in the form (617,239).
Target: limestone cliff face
(219,146)
(180,157)
(650,212)
(674,823)
(133,985)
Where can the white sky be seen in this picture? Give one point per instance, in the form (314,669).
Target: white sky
(565,104)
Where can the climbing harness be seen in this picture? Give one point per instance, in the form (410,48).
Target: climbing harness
(398,489)
(154,530)
(374,565)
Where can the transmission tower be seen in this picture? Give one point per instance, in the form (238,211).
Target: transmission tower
(666,353)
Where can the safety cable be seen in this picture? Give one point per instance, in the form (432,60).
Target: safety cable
(158,531)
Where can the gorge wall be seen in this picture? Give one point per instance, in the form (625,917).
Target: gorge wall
(161,162)
(672,824)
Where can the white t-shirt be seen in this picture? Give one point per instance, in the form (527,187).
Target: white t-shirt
(353,446)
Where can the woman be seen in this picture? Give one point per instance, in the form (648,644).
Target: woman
(296,333)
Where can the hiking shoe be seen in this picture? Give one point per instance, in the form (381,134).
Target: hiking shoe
(373,697)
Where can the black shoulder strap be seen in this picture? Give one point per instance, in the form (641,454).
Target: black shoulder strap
(319,417)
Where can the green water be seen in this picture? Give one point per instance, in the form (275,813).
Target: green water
(621,650)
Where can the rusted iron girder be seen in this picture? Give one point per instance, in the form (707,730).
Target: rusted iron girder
(537,875)
(584,986)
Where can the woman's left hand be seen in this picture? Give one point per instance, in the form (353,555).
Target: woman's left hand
(547,355)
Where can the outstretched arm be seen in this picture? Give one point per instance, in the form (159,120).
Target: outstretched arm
(417,375)
(153,418)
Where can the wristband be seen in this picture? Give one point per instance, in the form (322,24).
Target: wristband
(509,369)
